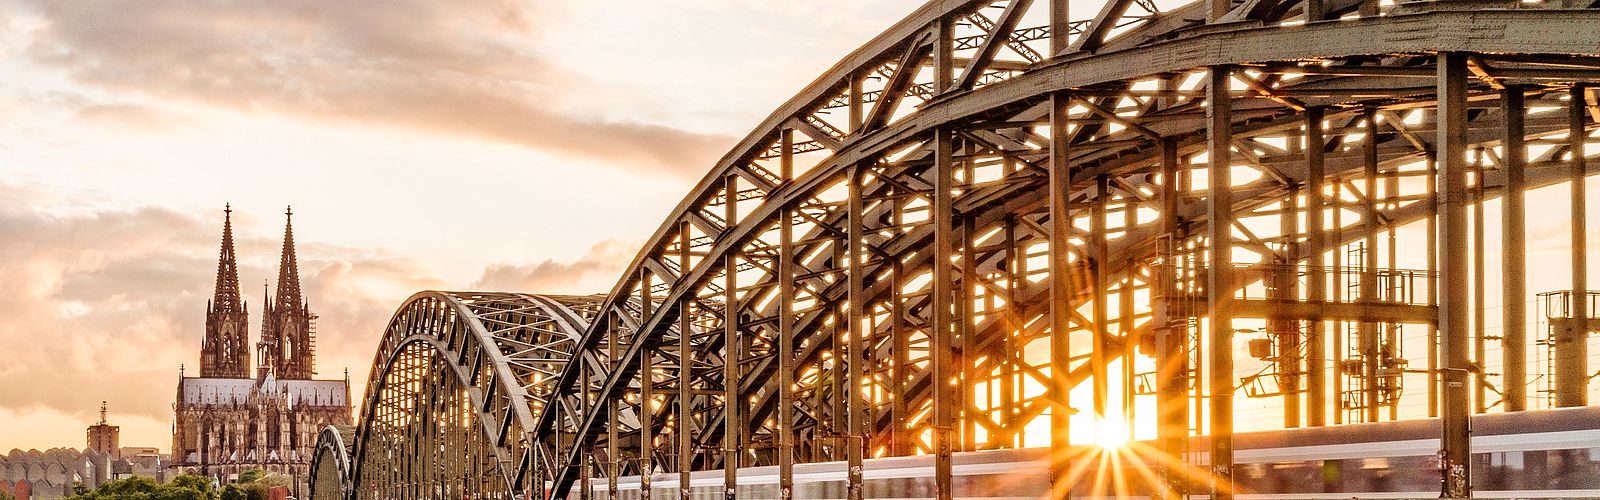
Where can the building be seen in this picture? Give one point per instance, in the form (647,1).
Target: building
(226,420)
(104,437)
(34,474)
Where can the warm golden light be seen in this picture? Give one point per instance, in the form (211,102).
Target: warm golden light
(1111,434)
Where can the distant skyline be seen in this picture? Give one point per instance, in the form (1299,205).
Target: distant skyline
(427,144)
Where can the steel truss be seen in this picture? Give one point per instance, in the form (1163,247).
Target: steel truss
(932,247)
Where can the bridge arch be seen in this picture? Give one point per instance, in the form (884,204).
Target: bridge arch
(810,261)
(791,184)
(330,463)
(459,371)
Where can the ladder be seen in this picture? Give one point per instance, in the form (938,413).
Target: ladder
(311,343)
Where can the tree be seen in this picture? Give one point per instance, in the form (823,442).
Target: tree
(192,482)
(234,492)
(185,487)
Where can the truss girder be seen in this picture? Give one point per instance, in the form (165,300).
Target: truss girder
(456,378)
(744,295)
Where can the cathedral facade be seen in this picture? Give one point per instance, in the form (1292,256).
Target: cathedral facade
(229,420)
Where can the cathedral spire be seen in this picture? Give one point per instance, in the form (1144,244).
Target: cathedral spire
(227,288)
(223,352)
(288,267)
(286,336)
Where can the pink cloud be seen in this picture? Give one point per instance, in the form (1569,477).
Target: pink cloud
(464,68)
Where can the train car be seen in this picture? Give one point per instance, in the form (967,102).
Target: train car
(1533,454)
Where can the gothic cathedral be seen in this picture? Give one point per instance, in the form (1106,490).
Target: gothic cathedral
(228,420)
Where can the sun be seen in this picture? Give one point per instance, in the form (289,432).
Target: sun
(1111,434)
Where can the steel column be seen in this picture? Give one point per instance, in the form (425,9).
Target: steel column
(733,353)
(900,354)
(859,421)
(1453,272)
(786,331)
(683,428)
(1219,282)
(1286,333)
(1513,248)
(1009,346)
(1316,280)
(941,340)
(1172,336)
(1480,344)
(1060,26)
(1099,333)
(1370,355)
(1432,228)
(965,318)
(647,440)
(1572,345)
(858,331)
(1061,279)
(614,407)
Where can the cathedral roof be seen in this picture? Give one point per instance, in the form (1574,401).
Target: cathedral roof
(225,391)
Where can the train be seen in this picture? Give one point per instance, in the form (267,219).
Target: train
(1553,453)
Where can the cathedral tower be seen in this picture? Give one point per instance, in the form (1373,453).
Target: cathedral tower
(224,353)
(286,335)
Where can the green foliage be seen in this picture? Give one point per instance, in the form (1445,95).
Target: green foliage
(234,492)
(254,484)
(193,482)
(185,487)
(249,476)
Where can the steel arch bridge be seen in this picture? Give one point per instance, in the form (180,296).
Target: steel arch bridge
(995,225)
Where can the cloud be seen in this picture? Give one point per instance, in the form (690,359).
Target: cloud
(128,116)
(467,68)
(105,304)
(592,273)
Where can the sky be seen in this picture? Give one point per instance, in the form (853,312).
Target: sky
(424,144)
